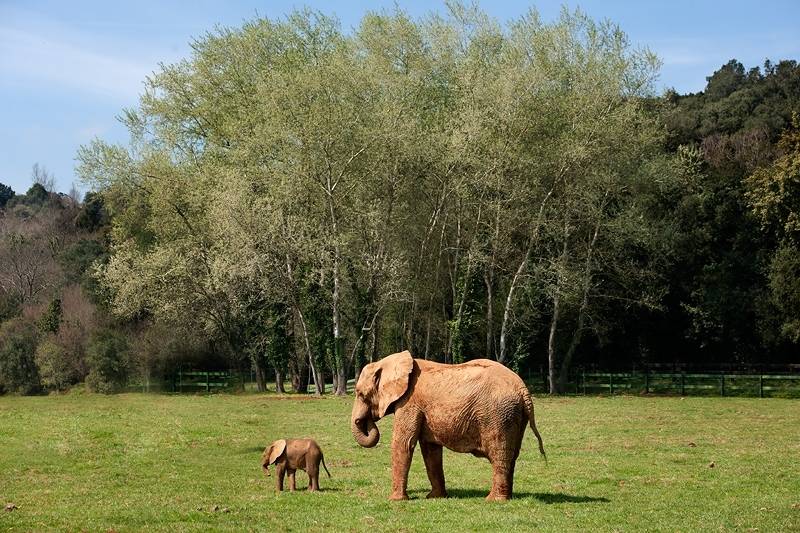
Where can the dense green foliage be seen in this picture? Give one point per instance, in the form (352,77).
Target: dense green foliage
(297,201)
(18,370)
(108,360)
(720,306)
(379,186)
(191,463)
(6,194)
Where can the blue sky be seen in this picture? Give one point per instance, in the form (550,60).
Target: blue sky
(67,69)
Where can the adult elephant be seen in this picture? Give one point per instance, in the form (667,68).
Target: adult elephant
(480,407)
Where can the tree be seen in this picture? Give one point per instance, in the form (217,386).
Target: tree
(109,362)
(774,196)
(44,179)
(27,265)
(387,189)
(6,194)
(726,80)
(718,307)
(50,321)
(92,215)
(37,194)
(18,370)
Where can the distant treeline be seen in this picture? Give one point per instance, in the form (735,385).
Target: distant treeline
(301,201)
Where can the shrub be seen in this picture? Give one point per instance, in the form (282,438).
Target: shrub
(58,367)
(107,357)
(50,320)
(10,306)
(18,371)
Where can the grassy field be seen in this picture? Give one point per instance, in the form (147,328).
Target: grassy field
(177,463)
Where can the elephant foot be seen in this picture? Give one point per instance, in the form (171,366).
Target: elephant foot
(398,497)
(496,497)
(437,494)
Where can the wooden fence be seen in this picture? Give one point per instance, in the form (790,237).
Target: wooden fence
(201,380)
(683,384)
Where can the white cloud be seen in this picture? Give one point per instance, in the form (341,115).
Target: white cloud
(33,58)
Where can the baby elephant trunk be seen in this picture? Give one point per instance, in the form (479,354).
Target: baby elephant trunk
(363,427)
(265,462)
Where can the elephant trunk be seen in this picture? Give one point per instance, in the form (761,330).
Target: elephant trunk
(363,427)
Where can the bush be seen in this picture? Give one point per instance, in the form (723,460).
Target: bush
(107,357)
(18,371)
(59,369)
(10,306)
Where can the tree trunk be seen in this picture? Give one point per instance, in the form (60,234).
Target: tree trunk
(261,385)
(338,362)
(373,349)
(551,341)
(534,236)
(358,359)
(341,381)
(279,381)
(298,371)
(319,381)
(551,346)
(487,278)
(430,299)
(303,328)
(578,333)
(319,390)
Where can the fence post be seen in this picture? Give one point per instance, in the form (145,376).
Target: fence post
(722,385)
(208,384)
(583,380)
(646,382)
(611,383)
(683,384)
(761,385)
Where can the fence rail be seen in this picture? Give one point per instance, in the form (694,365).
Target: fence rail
(685,383)
(198,380)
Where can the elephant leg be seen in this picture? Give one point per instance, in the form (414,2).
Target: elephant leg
(280,471)
(403,443)
(504,459)
(502,479)
(292,485)
(432,454)
(313,477)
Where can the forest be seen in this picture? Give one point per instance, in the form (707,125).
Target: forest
(297,201)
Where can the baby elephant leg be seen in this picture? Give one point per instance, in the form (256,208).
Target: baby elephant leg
(280,471)
(292,486)
(313,475)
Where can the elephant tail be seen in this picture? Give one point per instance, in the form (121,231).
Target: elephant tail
(322,458)
(529,411)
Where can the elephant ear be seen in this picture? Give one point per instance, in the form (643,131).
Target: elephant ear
(278,448)
(395,371)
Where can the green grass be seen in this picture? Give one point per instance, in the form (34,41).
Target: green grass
(134,462)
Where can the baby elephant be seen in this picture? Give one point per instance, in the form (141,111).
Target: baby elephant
(290,455)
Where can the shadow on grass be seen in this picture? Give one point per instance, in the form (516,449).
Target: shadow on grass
(544,497)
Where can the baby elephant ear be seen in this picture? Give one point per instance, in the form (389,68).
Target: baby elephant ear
(278,448)
(395,371)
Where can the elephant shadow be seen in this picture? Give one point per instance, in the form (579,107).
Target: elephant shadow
(544,497)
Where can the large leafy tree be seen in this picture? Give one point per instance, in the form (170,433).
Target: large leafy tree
(382,190)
